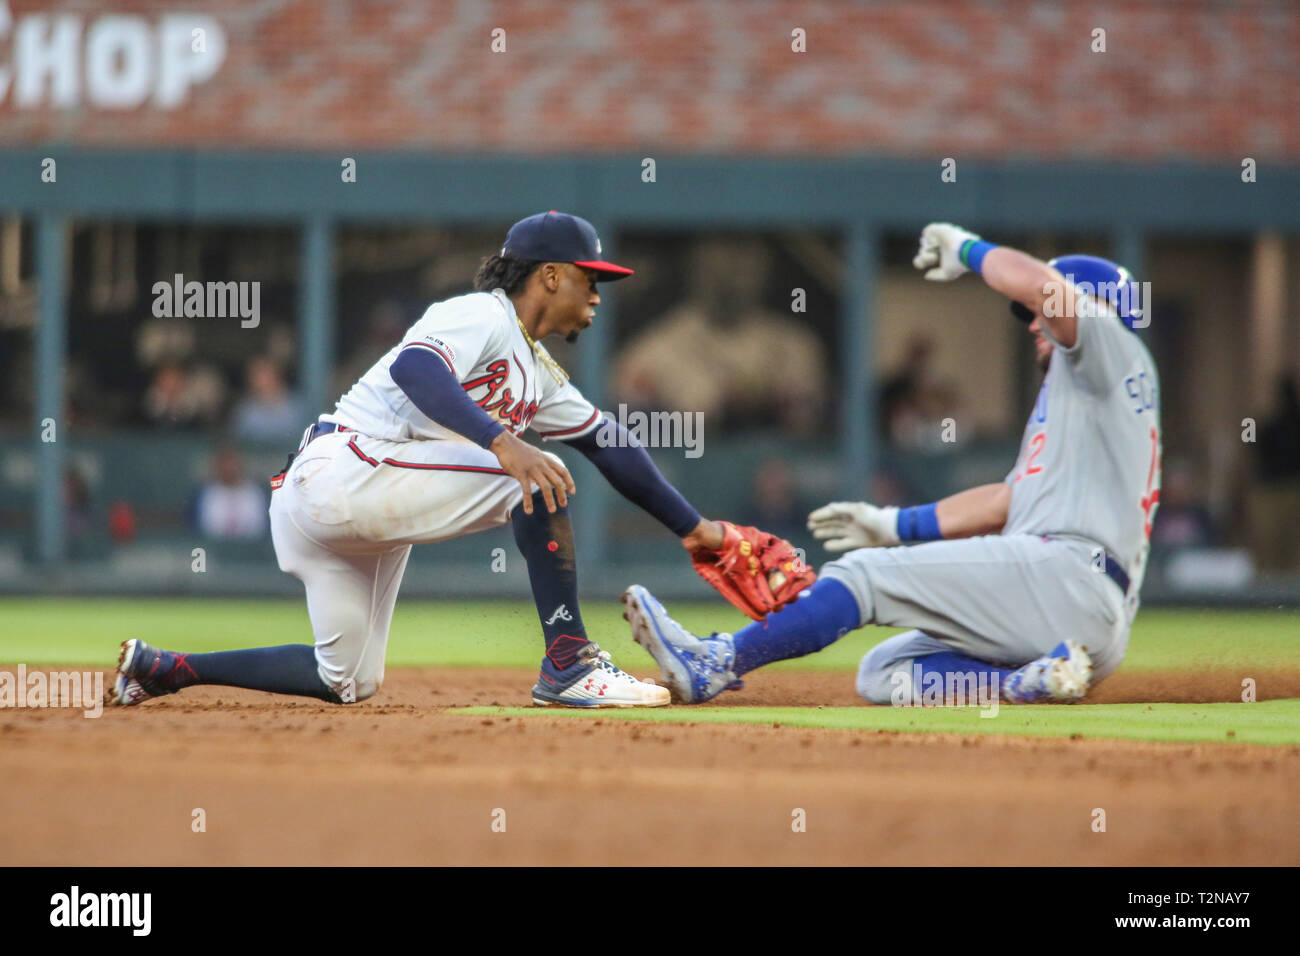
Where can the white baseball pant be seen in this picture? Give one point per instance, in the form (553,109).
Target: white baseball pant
(344,520)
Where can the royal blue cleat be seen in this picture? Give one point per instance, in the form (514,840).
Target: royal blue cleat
(694,669)
(1063,675)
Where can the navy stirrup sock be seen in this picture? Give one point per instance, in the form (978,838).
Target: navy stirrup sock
(814,621)
(287,669)
(546,542)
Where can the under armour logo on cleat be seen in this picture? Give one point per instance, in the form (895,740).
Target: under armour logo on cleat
(561,614)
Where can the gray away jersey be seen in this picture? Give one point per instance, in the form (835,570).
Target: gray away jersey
(1089,463)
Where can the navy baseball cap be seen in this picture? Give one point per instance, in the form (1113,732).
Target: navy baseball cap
(558,237)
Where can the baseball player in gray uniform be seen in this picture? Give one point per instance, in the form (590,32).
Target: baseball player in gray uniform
(1029,585)
(426,447)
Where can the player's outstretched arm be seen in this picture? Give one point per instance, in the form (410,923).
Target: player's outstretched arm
(705,536)
(630,470)
(1036,285)
(757,572)
(947,251)
(848,525)
(979,510)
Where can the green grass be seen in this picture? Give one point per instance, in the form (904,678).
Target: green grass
(86,631)
(1275,722)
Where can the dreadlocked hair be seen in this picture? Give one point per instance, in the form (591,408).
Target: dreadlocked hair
(503,272)
(509,275)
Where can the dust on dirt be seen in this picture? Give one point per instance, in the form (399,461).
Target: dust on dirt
(400,781)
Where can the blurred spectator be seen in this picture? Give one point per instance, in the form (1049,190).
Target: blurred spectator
(85,522)
(268,412)
(121,522)
(179,397)
(229,505)
(1276,504)
(159,341)
(774,503)
(79,511)
(913,403)
(1182,521)
(721,352)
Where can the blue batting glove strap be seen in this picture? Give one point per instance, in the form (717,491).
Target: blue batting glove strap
(919,524)
(973,252)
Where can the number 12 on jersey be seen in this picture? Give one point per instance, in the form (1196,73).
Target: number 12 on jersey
(1152,497)
(1035,449)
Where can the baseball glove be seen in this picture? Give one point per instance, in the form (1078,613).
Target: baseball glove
(757,572)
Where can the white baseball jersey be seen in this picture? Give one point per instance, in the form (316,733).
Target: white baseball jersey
(479,338)
(354,502)
(1089,463)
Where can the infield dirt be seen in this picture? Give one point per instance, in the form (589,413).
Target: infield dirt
(401,781)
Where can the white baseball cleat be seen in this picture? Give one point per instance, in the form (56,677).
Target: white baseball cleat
(593,681)
(1062,675)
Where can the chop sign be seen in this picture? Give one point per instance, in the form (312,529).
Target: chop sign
(111,62)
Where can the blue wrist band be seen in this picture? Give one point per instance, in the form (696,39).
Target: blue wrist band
(919,524)
(973,252)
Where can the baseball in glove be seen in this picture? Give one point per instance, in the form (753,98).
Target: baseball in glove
(757,572)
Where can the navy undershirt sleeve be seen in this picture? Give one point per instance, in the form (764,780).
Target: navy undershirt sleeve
(434,389)
(629,468)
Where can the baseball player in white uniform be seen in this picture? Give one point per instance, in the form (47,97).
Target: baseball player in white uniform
(425,447)
(1029,585)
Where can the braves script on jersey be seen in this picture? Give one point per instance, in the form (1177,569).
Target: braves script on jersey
(479,338)
(354,501)
(1089,463)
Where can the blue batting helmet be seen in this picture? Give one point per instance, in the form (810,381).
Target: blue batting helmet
(1104,279)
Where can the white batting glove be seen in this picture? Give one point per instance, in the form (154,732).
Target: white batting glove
(847,525)
(940,251)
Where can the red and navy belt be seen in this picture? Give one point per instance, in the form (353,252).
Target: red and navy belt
(309,436)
